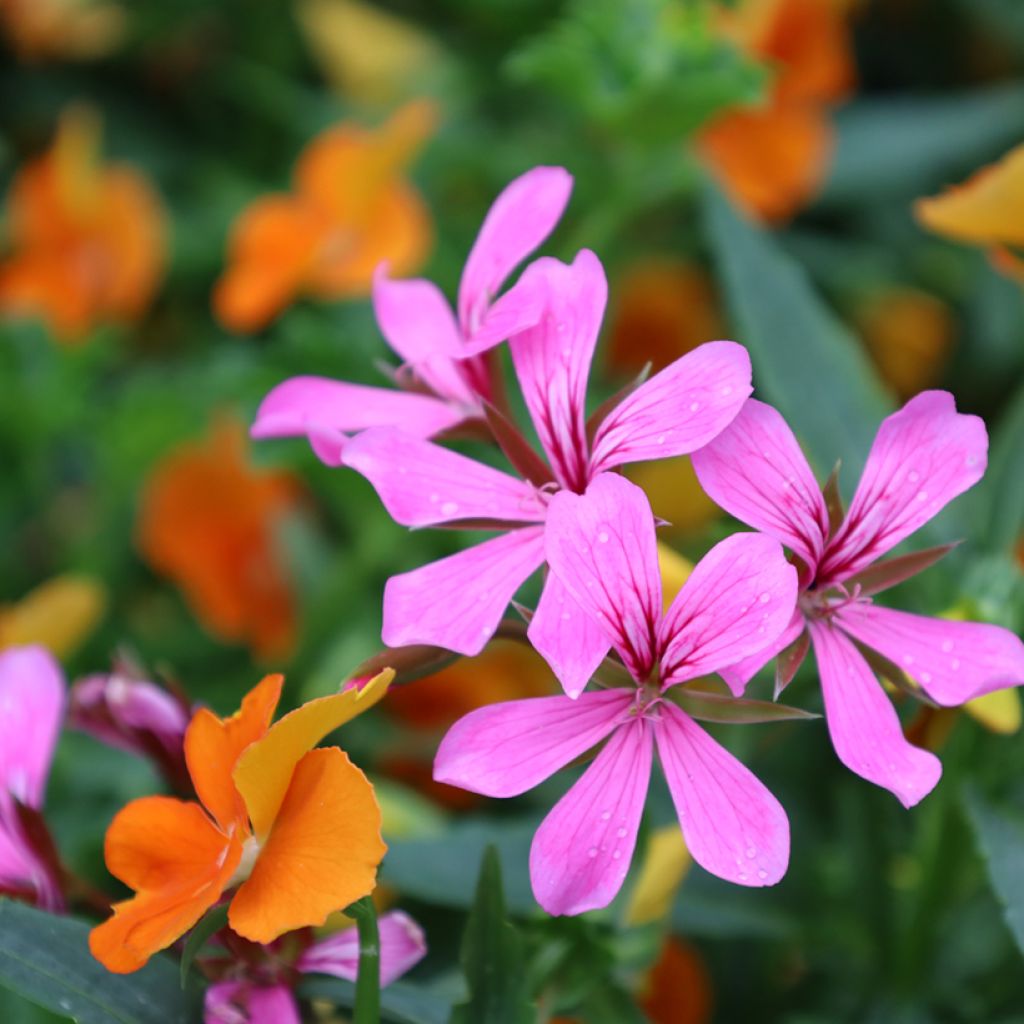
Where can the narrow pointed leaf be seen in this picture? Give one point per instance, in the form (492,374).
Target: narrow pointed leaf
(402,1002)
(1002,490)
(788,663)
(209,925)
(833,500)
(884,575)
(715,707)
(600,414)
(526,462)
(409,663)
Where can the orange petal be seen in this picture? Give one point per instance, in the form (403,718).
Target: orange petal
(59,614)
(153,920)
(264,772)
(679,986)
(213,746)
(771,161)
(322,854)
(987,209)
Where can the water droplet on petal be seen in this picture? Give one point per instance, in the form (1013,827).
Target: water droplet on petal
(603,537)
(621,833)
(727,390)
(913,476)
(616,855)
(765,597)
(947,646)
(449,508)
(605,815)
(694,406)
(751,851)
(954,664)
(762,874)
(592,852)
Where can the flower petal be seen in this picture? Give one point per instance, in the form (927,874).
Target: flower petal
(572,643)
(678,410)
(732,824)
(241,1002)
(327,411)
(737,676)
(863,724)
(951,661)
(458,601)
(601,546)
(422,484)
(737,601)
(756,471)
(505,749)
(402,946)
(31,708)
(213,746)
(922,458)
(518,221)
(581,852)
(321,855)
(552,359)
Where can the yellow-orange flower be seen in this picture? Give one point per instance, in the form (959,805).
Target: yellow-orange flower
(350,209)
(87,239)
(46,29)
(987,210)
(678,989)
(208,520)
(773,158)
(58,614)
(297,827)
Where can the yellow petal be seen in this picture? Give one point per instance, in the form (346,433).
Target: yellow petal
(58,614)
(998,711)
(988,208)
(666,861)
(264,772)
(675,571)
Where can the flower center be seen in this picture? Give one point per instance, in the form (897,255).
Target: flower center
(829,600)
(250,851)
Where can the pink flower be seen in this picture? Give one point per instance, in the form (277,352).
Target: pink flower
(923,457)
(457,602)
(443,376)
(31,707)
(266,997)
(601,547)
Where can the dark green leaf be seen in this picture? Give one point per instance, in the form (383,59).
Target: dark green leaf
(207,926)
(798,347)
(717,707)
(1003,488)
(883,575)
(401,1002)
(609,1004)
(492,957)
(46,959)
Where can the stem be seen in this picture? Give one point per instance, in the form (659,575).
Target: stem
(367,1009)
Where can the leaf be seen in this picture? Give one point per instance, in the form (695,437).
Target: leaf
(600,414)
(46,959)
(401,1002)
(492,957)
(609,1004)
(1000,839)
(884,575)
(409,663)
(1003,488)
(789,661)
(208,925)
(715,707)
(799,348)
(526,462)
(833,500)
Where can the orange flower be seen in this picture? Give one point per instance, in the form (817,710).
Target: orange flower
(987,209)
(87,239)
(207,521)
(296,829)
(678,987)
(350,210)
(772,159)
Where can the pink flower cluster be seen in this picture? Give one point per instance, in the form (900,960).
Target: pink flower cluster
(600,610)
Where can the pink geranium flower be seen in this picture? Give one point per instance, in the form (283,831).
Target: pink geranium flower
(31,708)
(444,378)
(457,602)
(601,547)
(923,457)
(260,992)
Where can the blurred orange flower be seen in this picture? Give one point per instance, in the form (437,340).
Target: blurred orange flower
(350,210)
(772,159)
(678,987)
(297,829)
(47,29)
(87,239)
(207,520)
(987,209)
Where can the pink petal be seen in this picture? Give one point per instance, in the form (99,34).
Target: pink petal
(22,869)
(241,1002)
(326,411)
(457,602)
(601,546)
(572,643)
(31,708)
(402,946)
(422,484)
(518,309)
(737,676)
(678,410)
(581,852)
(417,322)
(738,600)
(863,724)
(732,824)
(951,661)
(518,221)
(506,749)
(756,471)
(552,359)
(923,457)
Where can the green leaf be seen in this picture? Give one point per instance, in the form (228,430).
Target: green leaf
(717,707)
(492,957)
(401,1002)
(806,363)
(609,1004)
(1003,487)
(1000,838)
(208,925)
(46,959)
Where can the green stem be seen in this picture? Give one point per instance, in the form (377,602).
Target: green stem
(367,1009)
